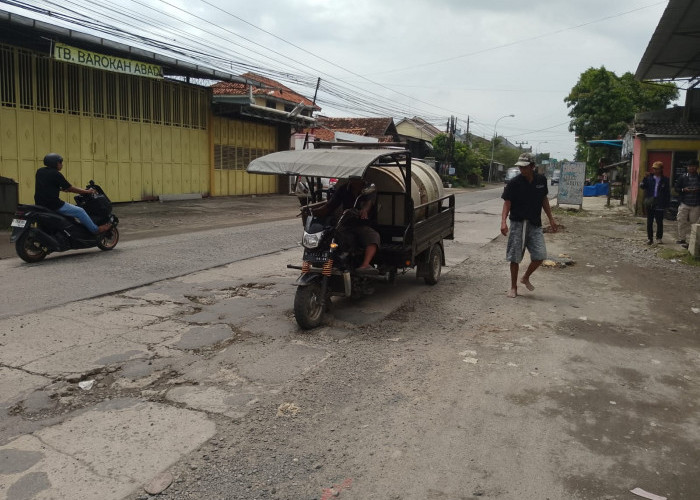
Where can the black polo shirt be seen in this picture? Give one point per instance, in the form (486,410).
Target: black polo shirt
(526,198)
(49,182)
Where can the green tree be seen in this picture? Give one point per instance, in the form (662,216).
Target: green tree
(468,162)
(602,104)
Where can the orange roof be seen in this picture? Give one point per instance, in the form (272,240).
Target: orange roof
(269,88)
(372,127)
(326,134)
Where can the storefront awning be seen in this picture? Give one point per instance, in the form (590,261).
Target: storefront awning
(614,143)
(673,52)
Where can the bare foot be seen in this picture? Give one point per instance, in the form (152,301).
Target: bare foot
(527,284)
(513,293)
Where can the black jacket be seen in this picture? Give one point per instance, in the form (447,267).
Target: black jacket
(663,194)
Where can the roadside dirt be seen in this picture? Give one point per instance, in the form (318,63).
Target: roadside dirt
(583,389)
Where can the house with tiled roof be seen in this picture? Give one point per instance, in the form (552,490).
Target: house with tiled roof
(418,134)
(382,129)
(264,98)
(671,136)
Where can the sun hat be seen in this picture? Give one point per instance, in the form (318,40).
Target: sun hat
(524,160)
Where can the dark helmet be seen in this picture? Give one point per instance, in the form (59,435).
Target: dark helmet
(52,160)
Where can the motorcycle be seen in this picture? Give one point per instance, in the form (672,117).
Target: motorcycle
(330,261)
(412,216)
(38,231)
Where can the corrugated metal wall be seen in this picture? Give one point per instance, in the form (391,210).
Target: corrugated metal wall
(137,137)
(236,143)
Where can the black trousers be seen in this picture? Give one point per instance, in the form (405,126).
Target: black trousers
(655,214)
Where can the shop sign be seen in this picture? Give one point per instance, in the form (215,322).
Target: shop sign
(95,60)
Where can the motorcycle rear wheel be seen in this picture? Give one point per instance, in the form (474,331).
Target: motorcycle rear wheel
(29,249)
(108,240)
(309,306)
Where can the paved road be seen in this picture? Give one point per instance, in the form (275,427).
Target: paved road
(65,277)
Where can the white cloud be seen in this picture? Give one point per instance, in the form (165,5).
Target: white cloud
(467,58)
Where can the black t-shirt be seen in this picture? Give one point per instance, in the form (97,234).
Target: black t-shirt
(49,182)
(526,198)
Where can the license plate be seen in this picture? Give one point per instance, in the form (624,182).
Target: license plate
(19,222)
(316,256)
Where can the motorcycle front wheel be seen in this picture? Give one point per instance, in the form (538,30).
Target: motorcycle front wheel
(309,306)
(29,249)
(108,240)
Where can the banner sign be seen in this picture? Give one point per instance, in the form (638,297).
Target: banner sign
(74,55)
(573,177)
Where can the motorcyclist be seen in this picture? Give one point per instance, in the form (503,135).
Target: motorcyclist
(346,196)
(49,181)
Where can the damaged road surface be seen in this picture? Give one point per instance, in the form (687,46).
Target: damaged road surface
(202,386)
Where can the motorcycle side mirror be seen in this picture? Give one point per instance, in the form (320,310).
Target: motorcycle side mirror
(371,189)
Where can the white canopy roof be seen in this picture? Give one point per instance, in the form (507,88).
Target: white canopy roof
(340,163)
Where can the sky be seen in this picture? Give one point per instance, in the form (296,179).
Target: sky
(479,61)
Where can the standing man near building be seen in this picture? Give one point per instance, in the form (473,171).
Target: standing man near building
(657,195)
(524,198)
(688,189)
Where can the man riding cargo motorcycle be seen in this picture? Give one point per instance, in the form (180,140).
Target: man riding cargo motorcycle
(347,195)
(395,217)
(49,181)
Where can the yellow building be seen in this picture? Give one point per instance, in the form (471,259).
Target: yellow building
(126,118)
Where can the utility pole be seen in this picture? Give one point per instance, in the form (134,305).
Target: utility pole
(469,141)
(315,185)
(449,156)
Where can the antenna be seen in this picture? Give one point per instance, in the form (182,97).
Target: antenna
(297,109)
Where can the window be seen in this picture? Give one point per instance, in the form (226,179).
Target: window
(167,104)
(59,88)
(157,89)
(26,97)
(86,90)
(7,77)
(43,84)
(111,94)
(146,98)
(73,87)
(35,81)
(135,99)
(98,93)
(187,98)
(123,96)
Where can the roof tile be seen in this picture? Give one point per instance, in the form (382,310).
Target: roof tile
(270,88)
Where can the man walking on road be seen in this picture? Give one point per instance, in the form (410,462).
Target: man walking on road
(524,198)
(688,189)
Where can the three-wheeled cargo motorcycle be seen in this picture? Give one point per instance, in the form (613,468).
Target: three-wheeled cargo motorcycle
(413,217)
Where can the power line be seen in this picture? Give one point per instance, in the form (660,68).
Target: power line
(522,40)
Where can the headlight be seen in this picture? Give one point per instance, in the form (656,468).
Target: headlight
(311,240)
